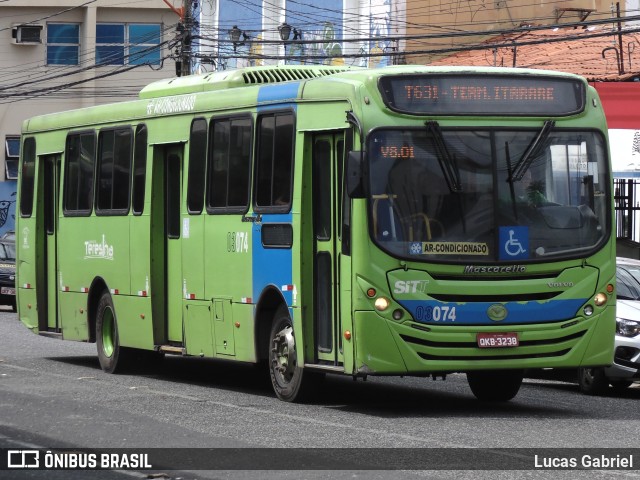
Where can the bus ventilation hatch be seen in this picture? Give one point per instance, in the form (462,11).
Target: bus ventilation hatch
(277,75)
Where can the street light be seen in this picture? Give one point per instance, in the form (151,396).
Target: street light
(285,32)
(234,34)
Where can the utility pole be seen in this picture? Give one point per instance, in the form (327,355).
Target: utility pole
(186,40)
(183,50)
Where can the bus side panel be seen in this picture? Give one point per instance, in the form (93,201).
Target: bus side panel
(192,255)
(244,333)
(93,247)
(27,302)
(272,267)
(133,315)
(227,281)
(197,328)
(26,265)
(139,257)
(198,338)
(73,313)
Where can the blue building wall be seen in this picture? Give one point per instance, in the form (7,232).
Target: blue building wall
(247,16)
(322,20)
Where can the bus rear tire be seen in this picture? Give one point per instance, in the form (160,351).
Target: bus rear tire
(495,385)
(285,372)
(111,356)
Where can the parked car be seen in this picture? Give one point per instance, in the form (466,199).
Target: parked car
(625,369)
(8,273)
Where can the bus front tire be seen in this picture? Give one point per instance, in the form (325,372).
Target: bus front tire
(112,357)
(284,370)
(592,381)
(495,385)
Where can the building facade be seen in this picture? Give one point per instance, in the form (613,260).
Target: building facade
(63,54)
(439,28)
(56,55)
(234,33)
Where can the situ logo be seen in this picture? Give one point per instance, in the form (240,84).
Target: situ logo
(410,286)
(23,459)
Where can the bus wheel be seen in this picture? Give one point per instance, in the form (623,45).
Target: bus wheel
(495,385)
(592,381)
(110,354)
(286,375)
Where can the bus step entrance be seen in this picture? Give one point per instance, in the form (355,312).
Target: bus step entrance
(171,350)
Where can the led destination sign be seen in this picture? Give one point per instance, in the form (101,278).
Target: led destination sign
(456,94)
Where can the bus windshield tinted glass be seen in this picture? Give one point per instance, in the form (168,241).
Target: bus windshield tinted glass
(557,206)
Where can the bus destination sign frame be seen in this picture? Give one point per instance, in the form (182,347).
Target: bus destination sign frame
(483,94)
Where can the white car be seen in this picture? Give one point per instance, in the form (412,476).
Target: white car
(625,369)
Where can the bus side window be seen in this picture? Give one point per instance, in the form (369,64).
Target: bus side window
(229,165)
(114,171)
(28,176)
(197,164)
(78,179)
(139,169)
(274,165)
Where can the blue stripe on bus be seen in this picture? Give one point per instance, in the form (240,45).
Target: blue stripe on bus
(271,266)
(442,313)
(279,91)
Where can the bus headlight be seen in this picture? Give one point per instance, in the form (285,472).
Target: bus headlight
(381,304)
(627,328)
(600,299)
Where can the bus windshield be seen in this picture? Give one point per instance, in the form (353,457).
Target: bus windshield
(494,195)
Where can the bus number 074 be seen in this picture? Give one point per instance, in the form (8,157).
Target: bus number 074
(237,242)
(436,314)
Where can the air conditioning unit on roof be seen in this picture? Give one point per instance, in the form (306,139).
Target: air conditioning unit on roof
(27,34)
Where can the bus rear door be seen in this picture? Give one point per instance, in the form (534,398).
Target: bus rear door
(47,284)
(166,274)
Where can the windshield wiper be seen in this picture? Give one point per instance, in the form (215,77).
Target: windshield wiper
(512,191)
(447,162)
(532,152)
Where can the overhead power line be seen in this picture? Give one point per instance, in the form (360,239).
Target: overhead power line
(29,87)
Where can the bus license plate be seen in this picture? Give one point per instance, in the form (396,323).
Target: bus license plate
(498,340)
(7,291)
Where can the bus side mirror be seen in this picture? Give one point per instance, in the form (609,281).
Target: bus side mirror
(355,176)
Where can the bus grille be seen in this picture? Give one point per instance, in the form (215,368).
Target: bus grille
(446,351)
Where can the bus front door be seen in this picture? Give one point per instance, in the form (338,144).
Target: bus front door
(166,269)
(326,187)
(47,288)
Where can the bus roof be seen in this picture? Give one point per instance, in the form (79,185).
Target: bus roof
(244,77)
(237,78)
(188,86)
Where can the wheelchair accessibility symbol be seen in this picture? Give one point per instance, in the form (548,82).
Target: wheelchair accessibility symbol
(514,243)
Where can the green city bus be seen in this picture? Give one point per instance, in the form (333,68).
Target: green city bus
(407,220)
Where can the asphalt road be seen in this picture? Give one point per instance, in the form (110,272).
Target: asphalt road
(54,395)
